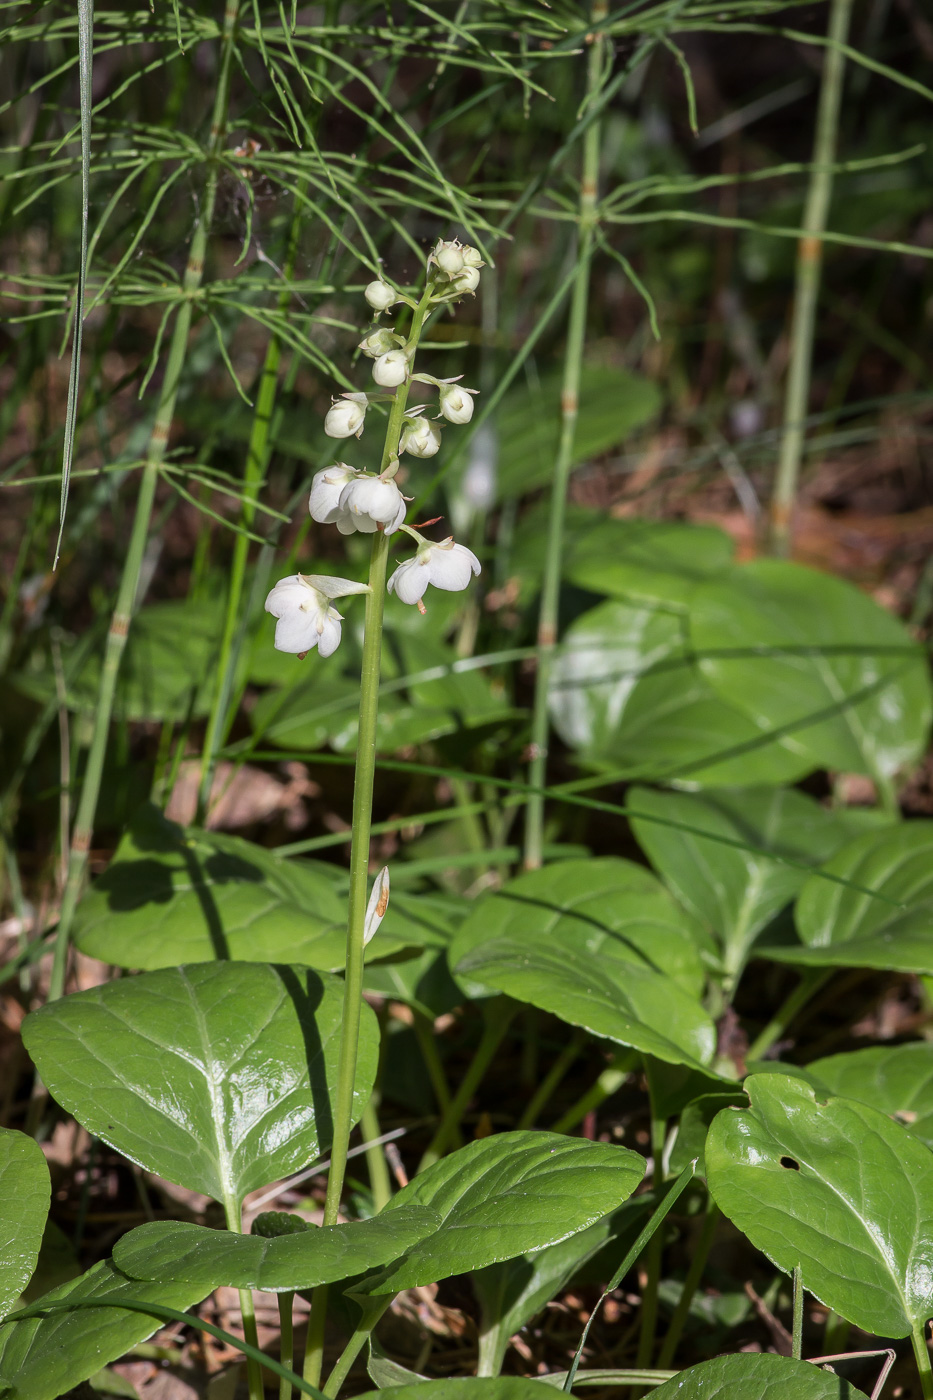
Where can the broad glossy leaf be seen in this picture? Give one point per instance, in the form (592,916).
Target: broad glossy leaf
(626,692)
(25,1192)
(467,1388)
(734,892)
(172,896)
(613,402)
(619,1001)
(510,1294)
(41,1358)
(790,646)
(896,1079)
(218,1076)
(505,1195)
(638,560)
(835,1187)
(750,1377)
(168,1249)
(611,908)
(841,927)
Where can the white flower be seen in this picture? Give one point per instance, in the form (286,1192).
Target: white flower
(446,565)
(420,437)
(391,369)
(380,295)
(368,502)
(326,486)
(471,257)
(305,618)
(378,342)
(345,416)
(465,281)
(448,257)
(456,404)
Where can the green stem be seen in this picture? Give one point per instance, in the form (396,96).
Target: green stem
(363,780)
(286,1343)
(922,1355)
(247,1310)
(129,581)
(810,982)
(797,1336)
(649,1297)
(375,1158)
(691,1283)
(611,1079)
(373,1310)
(551,1080)
(587,217)
(257,457)
(497,1015)
(806,292)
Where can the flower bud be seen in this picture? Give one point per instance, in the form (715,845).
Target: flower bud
(368,502)
(471,257)
(345,416)
(420,437)
(380,295)
(326,486)
(377,906)
(465,281)
(378,342)
(456,404)
(449,258)
(391,369)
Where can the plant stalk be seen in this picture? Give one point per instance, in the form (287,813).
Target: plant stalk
(922,1355)
(247,1310)
(364,776)
(806,291)
(587,217)
(129,581)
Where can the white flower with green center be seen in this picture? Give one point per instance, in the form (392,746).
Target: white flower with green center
(306,619)
(455,403)
(420,436)
(446,565)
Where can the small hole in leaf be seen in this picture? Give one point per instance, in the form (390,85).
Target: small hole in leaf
(790,1164)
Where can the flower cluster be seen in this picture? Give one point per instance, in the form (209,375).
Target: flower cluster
(356,500)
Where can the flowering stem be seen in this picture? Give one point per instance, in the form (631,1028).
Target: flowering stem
(587,219)
(809,259)
(359,864)
(129,582)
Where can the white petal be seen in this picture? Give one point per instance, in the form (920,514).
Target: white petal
(329,633)
(288,595)
(377,906)
(451,566)
(296,632)
(410,580)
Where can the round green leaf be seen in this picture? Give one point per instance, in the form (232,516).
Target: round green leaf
(735,892)
(506,1195)
(626,691)
(842,927)
(168,1249)
(467,1388)
(611,908)
(42,1357)
(620,1001)
(835,1187)
(172,896)
(763,1377)
(792,647)
(895,1079)
(218,1076)
(25,1193)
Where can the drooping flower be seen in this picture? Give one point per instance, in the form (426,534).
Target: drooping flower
(380,295)
(368,502)
(301,604)
(391,369)
(446,565)
(471,256)
(345,416)
(456,403)
(420,437)
(378,342)
(326,486)
(465,281)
